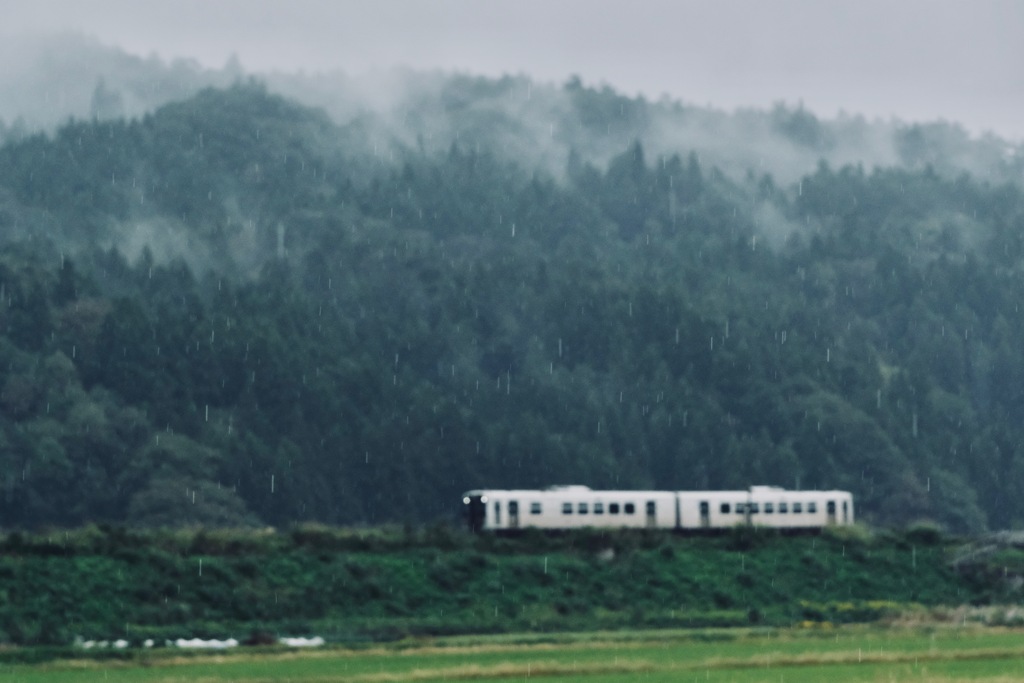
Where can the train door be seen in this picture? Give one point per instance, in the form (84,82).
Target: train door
(830,512)
(497,514)
(846,513)
(513,514)
(652,518)
(705,515)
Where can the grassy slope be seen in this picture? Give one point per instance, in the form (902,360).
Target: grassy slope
(383,585)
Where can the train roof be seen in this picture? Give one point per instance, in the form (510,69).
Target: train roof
(575,489)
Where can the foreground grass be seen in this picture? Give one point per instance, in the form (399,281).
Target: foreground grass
(843,654)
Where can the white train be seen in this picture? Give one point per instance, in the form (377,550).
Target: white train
(575,507)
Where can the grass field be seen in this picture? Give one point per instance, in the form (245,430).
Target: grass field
(856,653)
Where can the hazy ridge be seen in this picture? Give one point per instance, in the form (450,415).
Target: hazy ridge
(53,78)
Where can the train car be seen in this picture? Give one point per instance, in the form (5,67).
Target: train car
(568,507)
(574,507)
(768,506)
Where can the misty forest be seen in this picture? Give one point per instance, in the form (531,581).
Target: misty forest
(244,301)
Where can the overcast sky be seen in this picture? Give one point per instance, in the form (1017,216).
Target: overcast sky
(919,60)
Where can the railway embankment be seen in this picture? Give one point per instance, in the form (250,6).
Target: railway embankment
(383,584)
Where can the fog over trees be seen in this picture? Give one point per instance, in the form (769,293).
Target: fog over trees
(239,300)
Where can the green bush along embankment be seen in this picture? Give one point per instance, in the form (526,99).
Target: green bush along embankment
(107,583)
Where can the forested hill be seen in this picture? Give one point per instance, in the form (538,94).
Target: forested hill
(236,311)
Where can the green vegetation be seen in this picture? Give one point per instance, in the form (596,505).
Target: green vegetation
(104,584)
(235,312)
(842,654)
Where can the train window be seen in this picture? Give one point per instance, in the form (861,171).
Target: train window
(613,508)
(584,508)
(740,508)
(650,507)
(783,508)
(769,508)
(629,508)
(753,508)
(535,508)
(724,508)
(566,508)
(812,508)
(598,508)
(798,508)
